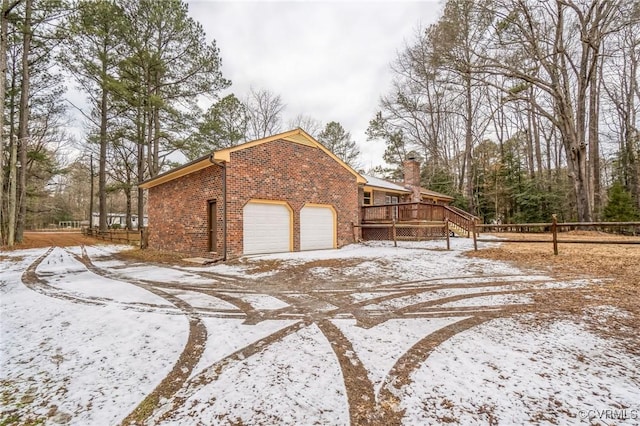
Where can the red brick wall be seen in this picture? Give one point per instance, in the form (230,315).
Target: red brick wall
(296,173)
(411,172)
(277,170)
(178,212)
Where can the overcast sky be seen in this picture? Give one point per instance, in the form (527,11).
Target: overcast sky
(327,59)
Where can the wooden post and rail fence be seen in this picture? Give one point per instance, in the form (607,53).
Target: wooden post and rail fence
(133,237)
(418,221)
(554,228)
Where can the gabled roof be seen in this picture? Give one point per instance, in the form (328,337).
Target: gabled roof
(384,184)
(378,183)
(298,136)
(434,194)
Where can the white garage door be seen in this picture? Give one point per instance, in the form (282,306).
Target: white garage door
(317,228)
(266,228)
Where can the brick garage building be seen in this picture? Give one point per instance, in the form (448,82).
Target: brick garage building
(282,193)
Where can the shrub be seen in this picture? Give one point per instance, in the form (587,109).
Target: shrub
(620,207)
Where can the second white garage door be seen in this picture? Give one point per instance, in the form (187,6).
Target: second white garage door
(266,228)
(317,228)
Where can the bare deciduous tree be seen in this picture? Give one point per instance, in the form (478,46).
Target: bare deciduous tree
(264,110)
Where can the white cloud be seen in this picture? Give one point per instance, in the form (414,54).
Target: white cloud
(327,60)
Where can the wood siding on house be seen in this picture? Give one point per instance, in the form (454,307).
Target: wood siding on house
(380,197)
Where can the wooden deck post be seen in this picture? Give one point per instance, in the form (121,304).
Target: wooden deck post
(446,232)
(554,230)
(475,236)
(393,230)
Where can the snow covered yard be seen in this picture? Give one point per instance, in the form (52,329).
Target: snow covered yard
(369,334)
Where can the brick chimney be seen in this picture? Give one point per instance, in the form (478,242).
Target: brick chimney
(411,170)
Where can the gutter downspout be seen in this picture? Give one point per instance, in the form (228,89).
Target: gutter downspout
(224,204)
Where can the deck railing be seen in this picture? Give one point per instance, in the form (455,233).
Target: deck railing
(462,219)
(411,212)
(402,212)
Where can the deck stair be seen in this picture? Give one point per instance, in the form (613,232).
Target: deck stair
(374,218)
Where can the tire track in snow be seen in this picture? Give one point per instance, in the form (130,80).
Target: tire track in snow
(458,297)
(32,280)
(165,402)
(164,412)
(389,403)
(360,392)
(187,360)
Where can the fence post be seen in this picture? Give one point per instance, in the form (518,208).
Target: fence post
(554,230)
(446,232)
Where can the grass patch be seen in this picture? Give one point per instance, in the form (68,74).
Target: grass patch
(153,256)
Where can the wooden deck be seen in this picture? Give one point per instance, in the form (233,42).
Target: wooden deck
(416,220)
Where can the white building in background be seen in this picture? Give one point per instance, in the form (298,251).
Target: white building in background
(71,224)
(118,219)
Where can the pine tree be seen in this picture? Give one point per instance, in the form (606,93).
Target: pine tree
(92,54)
(339,141)
(620,207)
(224,125)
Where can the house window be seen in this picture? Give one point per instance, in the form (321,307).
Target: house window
(394,210)
(367,198)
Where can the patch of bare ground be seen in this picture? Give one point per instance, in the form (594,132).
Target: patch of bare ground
(258,267)
(48,239)
(617,265)
(303,276)
(153,256)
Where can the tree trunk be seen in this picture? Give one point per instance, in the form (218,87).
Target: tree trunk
(156,139)
(528,143)
(468,139)
(594,148)
(13,159)
(127,194)
(11,225)
(3,78)
(141,125)
(140,208)
(23,127)
(91,193)
(632,133)
(149,137)
(536,140)
(102,162)
(572,121)
(577,165)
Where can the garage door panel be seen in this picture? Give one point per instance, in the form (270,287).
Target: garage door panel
(317,228)
(266,228)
